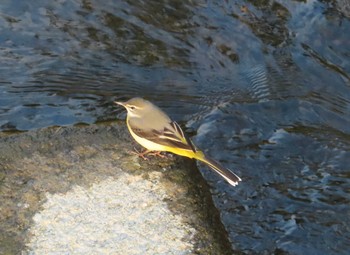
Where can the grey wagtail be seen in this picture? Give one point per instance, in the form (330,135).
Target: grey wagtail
(154,130)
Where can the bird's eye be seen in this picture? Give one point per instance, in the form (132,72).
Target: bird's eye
(132,107)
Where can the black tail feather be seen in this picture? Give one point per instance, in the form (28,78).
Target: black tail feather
(229,176)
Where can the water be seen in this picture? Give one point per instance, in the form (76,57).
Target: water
(265,85)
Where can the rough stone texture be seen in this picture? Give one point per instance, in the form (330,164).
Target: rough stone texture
(343,6)
(78,190)
(111,216)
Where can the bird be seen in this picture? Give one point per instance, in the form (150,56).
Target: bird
(153,129)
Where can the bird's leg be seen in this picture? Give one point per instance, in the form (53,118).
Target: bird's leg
(140,153)
(147,152)
(156,153)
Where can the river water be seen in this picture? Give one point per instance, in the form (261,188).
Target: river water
(263,85)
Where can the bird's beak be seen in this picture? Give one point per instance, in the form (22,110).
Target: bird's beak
(120,103)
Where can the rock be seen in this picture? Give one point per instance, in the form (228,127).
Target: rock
(78,190)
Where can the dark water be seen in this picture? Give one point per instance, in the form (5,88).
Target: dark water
(264,84)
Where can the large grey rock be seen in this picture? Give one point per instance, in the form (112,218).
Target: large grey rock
(78,190)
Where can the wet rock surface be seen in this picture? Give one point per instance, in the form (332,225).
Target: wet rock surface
(78,189)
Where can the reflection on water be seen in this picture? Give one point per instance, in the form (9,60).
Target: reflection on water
(266,83)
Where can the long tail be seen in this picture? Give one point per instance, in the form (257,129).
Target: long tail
(229,176)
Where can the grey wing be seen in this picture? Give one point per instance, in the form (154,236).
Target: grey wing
(171,135)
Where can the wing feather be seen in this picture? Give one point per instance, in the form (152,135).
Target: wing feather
(172,136)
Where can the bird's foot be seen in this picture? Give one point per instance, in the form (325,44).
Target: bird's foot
(142,154)
(156,153)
